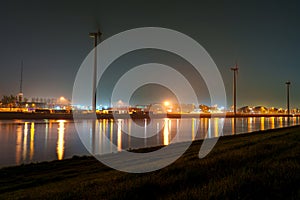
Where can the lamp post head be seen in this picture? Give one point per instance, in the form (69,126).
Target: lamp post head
(235,68)
(288,82)
(95,34)
(92,35)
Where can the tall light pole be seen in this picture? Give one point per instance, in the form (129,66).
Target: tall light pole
(235,71)
(288,83)
(95,35)
(20,95)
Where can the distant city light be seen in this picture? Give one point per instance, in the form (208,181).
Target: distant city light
(167,103)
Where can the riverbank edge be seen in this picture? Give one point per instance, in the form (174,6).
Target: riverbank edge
(70,116)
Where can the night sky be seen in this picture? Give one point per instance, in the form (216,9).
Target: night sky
(51,37)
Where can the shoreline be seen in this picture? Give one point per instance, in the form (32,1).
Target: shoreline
(69,116)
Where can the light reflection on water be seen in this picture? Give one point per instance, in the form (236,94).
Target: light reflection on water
(19,145)
(25,141)
(60,140)
(31,141)
(43,140)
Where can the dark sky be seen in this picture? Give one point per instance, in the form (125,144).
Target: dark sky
(51,37)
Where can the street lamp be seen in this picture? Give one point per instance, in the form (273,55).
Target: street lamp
(288,83)
(95,35)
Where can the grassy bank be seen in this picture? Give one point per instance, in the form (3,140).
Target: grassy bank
(262,165)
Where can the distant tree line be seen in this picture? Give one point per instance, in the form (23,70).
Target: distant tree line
(10,101)
(43,100)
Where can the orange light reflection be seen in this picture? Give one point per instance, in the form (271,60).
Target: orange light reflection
(31,140)
(60,140)
(166,132)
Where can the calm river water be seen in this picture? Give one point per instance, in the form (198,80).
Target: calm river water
(26,141)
